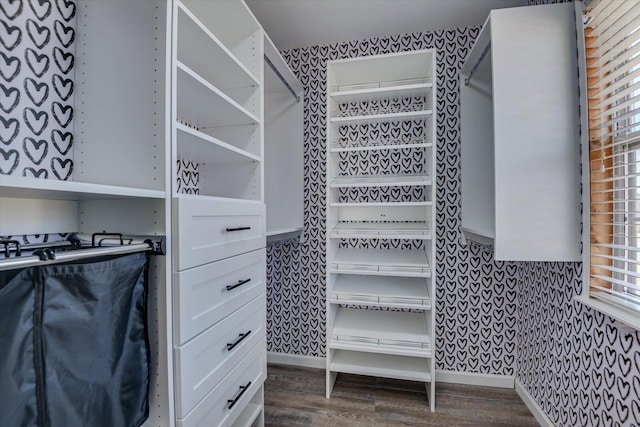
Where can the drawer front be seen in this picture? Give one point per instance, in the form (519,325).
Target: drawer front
(206,294)
(239,386)
(209,230)
(204,361)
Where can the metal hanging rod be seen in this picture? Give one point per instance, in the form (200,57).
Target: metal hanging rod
(45,254)
(477,64)
(282,79)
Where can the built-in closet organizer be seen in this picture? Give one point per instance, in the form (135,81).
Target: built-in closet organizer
(119,150)
(380,217)
(283,142)
(520,135)
(218,214)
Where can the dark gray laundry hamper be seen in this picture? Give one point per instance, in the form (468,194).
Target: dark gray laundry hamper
(74,349)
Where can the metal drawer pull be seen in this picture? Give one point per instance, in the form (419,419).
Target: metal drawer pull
(240,283)
(238,228)
(232,402)
(230,346)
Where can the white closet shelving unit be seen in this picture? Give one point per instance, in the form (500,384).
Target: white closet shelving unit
(520,135)
(178,80)
(380,317)
(219,266)
(283,157)
(121,159)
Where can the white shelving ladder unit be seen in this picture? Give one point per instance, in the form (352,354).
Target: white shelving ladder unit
(381,217)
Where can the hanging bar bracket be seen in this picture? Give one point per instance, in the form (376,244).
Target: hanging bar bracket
(477,64)
(72,250)
(281,77)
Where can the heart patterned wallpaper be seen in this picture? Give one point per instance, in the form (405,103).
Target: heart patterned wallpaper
(476,296)
(37,82)
(580,366)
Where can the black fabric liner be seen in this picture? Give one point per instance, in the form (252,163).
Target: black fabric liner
(74,340)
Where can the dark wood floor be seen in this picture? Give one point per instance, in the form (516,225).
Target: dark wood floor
(295,397)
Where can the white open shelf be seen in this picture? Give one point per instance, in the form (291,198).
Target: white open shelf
(381,230)
(201,148)
(381,365)
(380,291)
(378,331)
(34,188)
(382,143)
(381,262)
(381,181)
(377,118)
(202,52)
(202,104)
(381,71)
(381,213)
(234,26)
(383,90)
(379,204)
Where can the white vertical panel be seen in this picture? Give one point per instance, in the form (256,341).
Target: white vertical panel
(120,76)
(536,133)
(283,161)
(37,216)
(477,168)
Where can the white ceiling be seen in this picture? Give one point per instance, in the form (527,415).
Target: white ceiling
(299,23)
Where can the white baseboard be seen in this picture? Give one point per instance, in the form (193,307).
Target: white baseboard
(296,360)
(468,378)
(533,406)
(488,380)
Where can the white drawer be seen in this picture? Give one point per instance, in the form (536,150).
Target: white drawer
(239,386)
(210,229)
(204,361)
(206,294)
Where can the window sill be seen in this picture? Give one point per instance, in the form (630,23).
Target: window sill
(628,318)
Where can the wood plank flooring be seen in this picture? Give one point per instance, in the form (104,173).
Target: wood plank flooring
(295,397)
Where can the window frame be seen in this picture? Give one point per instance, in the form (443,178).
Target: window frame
(629,315)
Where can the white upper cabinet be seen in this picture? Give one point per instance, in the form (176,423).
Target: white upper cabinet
(521,135)
(283,147)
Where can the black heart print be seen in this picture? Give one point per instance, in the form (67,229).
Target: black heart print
(40,35)
(62,141)
(9,67)
(64,60)
(10,98)
(10,36)
(35,173)
(62,86)
(9,130)
(36,150)
(8,161)
(63,114)
(11,8)
(37,121)
(62,169)
(66,35)
(41,8)
(38,63)
(37,92)
(67,9)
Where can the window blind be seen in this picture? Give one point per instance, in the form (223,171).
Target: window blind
(612,41)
